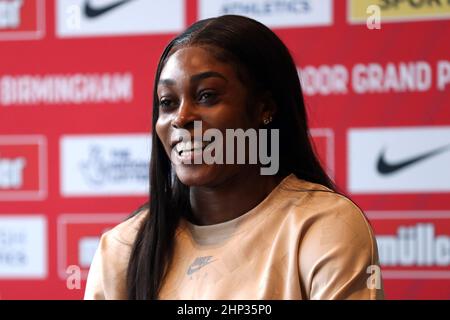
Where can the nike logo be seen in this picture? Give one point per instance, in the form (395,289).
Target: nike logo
(386,168)
(94,12)
(199,263)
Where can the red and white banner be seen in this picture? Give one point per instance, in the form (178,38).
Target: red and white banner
(76,81)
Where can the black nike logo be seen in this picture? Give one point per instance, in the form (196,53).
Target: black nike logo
(94,12)
(386,168)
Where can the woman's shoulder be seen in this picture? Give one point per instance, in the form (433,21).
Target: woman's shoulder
(316,203)
(108,269)
(337,246)
(125,232)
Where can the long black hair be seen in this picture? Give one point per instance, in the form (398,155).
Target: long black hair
(257,52)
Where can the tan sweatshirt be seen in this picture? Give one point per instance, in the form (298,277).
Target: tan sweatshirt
(301,242)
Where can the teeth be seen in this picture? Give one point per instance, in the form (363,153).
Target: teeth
(188,146)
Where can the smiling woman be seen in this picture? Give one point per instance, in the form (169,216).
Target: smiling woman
(224,230)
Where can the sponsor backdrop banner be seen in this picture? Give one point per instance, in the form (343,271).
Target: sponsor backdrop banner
(75,119)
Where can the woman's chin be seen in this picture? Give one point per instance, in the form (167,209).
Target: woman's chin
(197,175)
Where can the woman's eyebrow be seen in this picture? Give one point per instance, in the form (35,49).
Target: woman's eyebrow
(207,74)
(166,82)
(195,78)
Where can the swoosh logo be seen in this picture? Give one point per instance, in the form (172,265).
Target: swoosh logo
(386,168)
(94,12)
(199,263)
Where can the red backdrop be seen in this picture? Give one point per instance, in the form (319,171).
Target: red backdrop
(75,110)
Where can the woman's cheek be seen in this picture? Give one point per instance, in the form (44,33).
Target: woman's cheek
(161,131)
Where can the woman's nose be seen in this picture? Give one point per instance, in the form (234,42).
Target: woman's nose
(185,116)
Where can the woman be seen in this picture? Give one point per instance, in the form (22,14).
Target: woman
(227,231)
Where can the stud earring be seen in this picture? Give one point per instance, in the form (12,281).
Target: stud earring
(267,120)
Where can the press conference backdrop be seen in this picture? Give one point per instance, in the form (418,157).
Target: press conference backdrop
(75,116)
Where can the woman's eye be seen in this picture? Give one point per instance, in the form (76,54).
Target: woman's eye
(207,97)
(165,103)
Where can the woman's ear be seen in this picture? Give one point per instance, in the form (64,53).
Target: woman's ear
(268,109)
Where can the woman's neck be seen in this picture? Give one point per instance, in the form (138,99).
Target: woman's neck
(231,199)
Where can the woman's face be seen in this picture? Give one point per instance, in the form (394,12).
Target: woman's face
(195,86)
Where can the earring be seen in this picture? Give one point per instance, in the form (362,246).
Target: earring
(267,120)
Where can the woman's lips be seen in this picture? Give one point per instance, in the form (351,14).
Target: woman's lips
(187,146)
(189,150)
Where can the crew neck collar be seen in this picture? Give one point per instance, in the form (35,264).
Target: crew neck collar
(216,233)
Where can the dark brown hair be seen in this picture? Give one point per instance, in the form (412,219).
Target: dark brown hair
(271,69)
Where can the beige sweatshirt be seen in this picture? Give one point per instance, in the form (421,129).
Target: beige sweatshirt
(301,242)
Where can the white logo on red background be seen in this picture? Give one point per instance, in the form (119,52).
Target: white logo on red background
(23,168)
(323,139)
(63,89)
(22,19)
(275,14)
(78,238)
(105,165)
(87,18)
(23,247)
(413,245)
(399,160)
